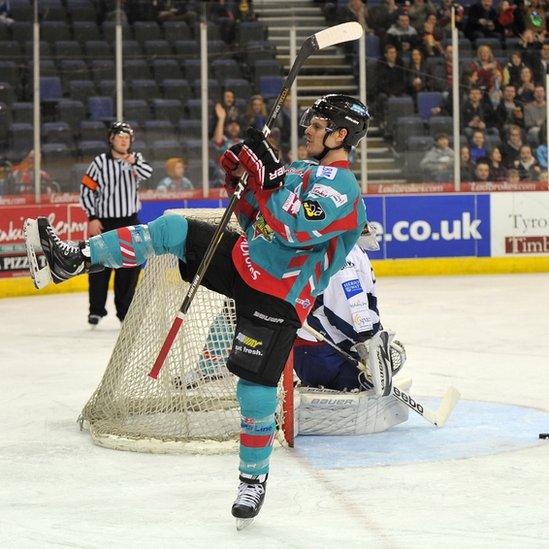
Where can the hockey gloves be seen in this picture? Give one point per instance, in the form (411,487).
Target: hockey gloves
(229,162)
(260,160)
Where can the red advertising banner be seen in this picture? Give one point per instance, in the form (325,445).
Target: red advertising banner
(69,220)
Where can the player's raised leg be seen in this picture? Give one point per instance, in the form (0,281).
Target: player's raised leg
(124,247)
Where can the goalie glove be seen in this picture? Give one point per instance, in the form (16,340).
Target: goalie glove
(260,160)
(375,355)
(229,162)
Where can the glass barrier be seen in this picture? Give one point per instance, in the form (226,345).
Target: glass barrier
(408,85)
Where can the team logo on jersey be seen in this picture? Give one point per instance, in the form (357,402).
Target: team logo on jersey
(262,229)
(327,172)
(292,204)
(327,192)
(313,210)
(351,287)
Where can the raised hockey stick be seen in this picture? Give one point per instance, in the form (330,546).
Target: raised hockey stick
(437,418)
(322,39)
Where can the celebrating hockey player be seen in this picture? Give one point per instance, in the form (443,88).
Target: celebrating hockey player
(299,225)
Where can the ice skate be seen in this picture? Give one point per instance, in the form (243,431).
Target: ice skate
(63,259)
(251,493)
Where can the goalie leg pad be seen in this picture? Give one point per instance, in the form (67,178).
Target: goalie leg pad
(257,427)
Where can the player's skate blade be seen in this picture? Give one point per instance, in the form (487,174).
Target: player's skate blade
(250,497)
(41,276)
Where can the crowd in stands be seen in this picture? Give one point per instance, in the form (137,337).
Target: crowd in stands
(504,57)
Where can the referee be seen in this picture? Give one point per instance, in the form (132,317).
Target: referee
(109,197)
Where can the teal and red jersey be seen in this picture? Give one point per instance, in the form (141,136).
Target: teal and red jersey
(296,237)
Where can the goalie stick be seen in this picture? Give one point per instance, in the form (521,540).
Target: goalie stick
(437,418)
(322,39)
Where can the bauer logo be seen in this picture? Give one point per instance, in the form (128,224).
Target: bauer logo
(430,226)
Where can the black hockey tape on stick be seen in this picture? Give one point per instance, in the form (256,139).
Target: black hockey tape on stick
(437,418)
(325,38)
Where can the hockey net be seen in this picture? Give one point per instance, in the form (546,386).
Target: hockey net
(192,405)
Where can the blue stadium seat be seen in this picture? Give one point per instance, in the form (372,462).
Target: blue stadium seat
(50,88)
(192,68)
(92,130)
(81,89)
(147,30)
(250,31)
(107,88)
(136,69)
(157,48)
(9,73)
(441,124)
(101,108)
(164,69)
(21,137)
(270,86)
(156,130)
(177,30)
(67,49)
(190,128)
(51,31)
(427,101)
(162,149)
(214,89)
(84,31)
(136,109)
(167,109)
(21,29)
(71,111)
(57,132)
(225,68)
(102,69)
(109,31)
(97,49)
(53,153)
(265,67)
(10,49)
(177,89)
(395,107)
(22,112)
(144,89)
(405,127)
(73,69)
(241,88)
(194,108)
(90,149)
(372,46)
(186,49)
(81,10)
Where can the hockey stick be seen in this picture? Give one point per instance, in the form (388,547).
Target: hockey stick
(322,39)
(438,417)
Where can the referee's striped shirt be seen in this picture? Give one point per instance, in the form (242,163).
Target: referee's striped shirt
(109,188)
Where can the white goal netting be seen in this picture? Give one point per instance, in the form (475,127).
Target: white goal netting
(192,406)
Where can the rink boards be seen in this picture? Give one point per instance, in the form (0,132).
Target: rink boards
(421,234)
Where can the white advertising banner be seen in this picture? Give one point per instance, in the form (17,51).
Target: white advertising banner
(519,224)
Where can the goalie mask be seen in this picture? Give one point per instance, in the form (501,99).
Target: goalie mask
(340,111)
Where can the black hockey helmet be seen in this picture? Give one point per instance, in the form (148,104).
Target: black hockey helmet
(342,111)
(119,127)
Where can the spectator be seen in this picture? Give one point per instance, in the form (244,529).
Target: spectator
(535,114)
(390,80)
(402,35)
(511,148)
(466,166)
(507,19)
(416,73)
(440,76)
(512,176)
(177,11)
(477,149)
(221,13)
(509,112)
(444,15)
(226,133)
(484,65)
(497,169)
(430,39)
(419,11)
(495,93)
(534,18)
(5,15)
(527,165)
(229,104)
(541,151)
(385,15)
(243,10)
(482,21)
(438,162)
(355,10)
(256,113)
(525,91)
(482,171)
(175,180)
(22,178)
(511,71)
(477,115)
(540,65)
(530,45)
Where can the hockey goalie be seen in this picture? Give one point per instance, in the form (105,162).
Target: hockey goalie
(334,396)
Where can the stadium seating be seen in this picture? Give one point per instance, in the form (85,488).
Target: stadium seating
(177,89)
(405,127)
(101,108)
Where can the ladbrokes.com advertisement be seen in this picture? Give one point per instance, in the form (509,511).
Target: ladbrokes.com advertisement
(430,225)
(520,224)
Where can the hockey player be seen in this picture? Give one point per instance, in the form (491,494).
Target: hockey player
(299,225)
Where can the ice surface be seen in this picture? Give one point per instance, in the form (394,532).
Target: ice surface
(487,335)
